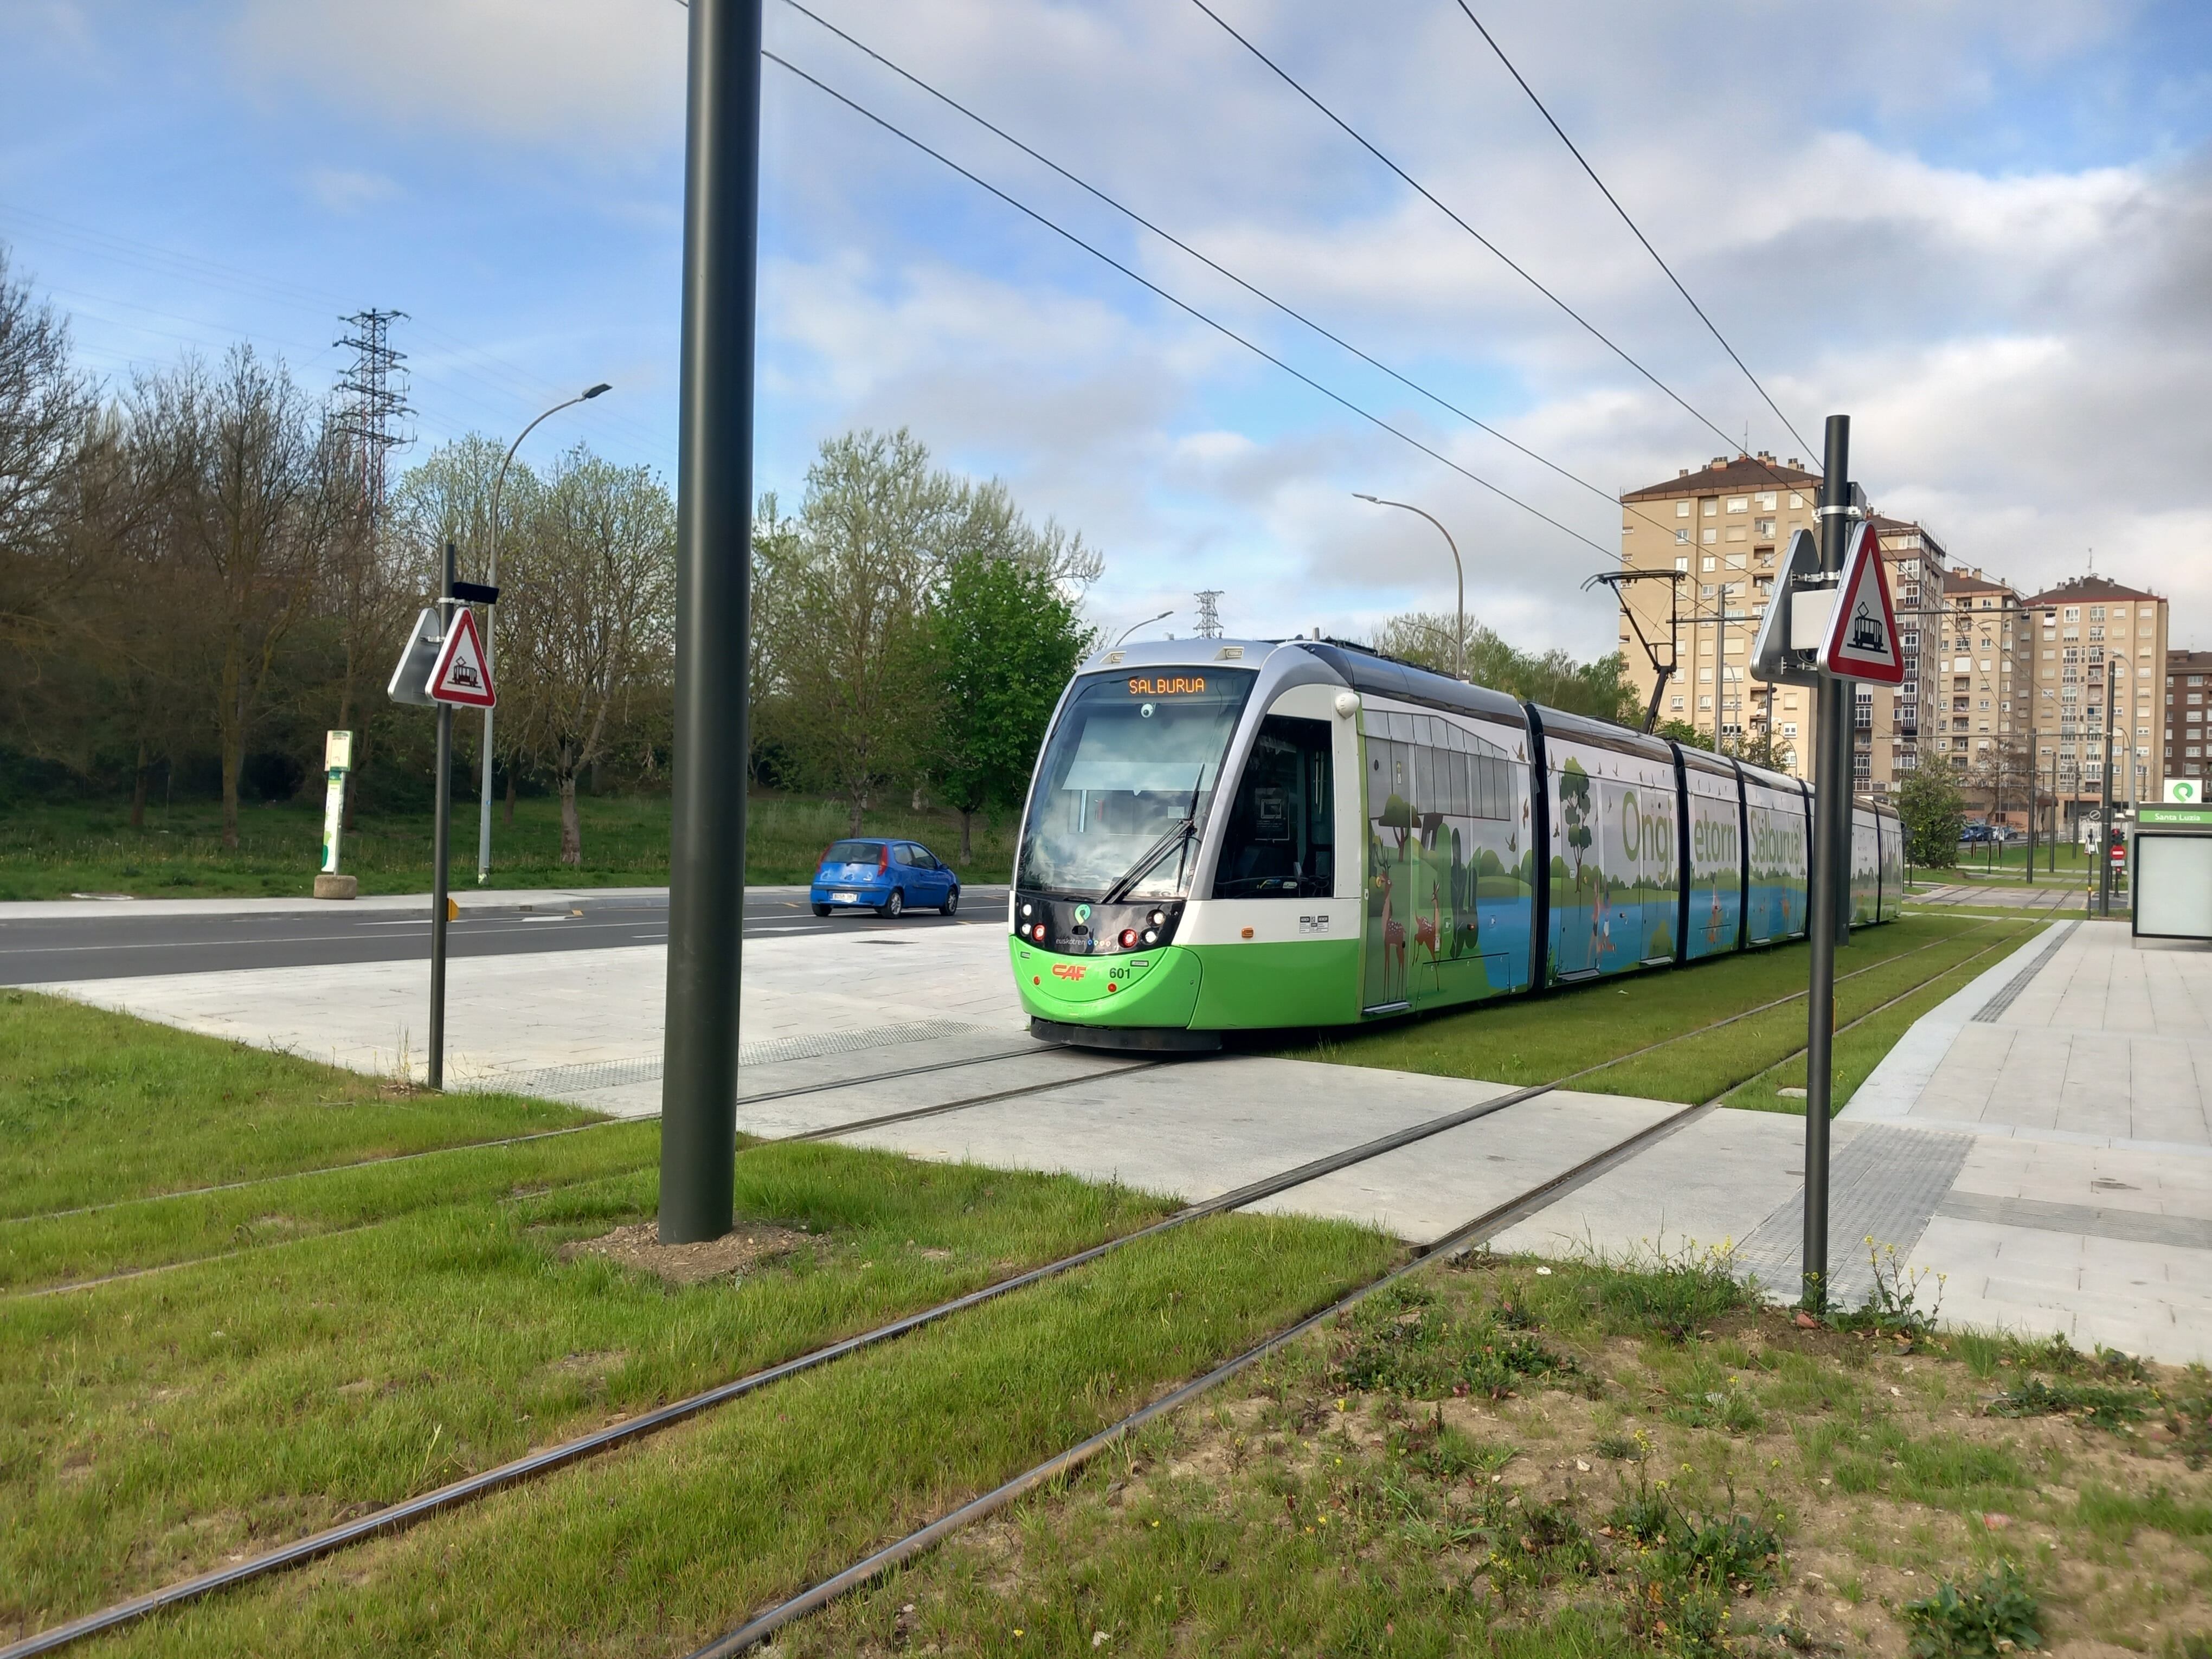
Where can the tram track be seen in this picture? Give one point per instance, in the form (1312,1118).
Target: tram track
(765,1624)
(762,1097)
(550,1460)
(828,1086)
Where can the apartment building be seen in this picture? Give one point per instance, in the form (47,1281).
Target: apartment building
(2188,679)
(1712,536)
(2085,630)
(1980,658)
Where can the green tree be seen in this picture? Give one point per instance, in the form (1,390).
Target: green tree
(1684,733)
(1599,688)
(1004,641)
(1934,811)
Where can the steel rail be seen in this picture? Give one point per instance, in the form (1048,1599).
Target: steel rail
(1498,1217)
(518,1140)
(400,1517)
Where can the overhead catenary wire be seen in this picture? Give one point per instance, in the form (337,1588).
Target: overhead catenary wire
(1210,262)
(1572,150)
(1436,201)
(1184,305)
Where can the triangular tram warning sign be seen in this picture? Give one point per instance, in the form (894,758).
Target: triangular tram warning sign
(1863,642)
(462,676)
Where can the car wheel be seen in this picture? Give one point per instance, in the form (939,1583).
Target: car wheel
(821,909)
(894,906)
(951,904)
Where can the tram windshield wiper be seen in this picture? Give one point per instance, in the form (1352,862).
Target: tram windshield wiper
(1178,832)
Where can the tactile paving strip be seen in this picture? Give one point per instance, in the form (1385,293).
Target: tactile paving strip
(1993,1010)
(1885,1185)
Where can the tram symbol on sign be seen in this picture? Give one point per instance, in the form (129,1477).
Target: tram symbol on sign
(1867,631)
(464,673)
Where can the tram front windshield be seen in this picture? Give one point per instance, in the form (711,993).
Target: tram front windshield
(1133,756)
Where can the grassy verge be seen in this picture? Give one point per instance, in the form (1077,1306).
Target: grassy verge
(152,1427)
(1586,1463)
(341,1340)
(51,849)
(1535,1040)
(97,1106)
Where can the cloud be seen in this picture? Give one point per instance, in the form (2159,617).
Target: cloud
(596,78)
(344,191)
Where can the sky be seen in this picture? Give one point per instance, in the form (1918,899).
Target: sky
(1981,228)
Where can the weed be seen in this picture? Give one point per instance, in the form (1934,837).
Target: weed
(2099,1407)
(1624,1448)
(1998,1615)
(1688,1564)
(1402,1342)
(1674,1294)
(1892,1304)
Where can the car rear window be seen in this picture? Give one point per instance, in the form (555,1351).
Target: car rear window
(853,852)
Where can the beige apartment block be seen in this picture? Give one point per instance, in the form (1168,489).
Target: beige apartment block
(2188,682)
(1721,530)
(1979,658)
(2084,630)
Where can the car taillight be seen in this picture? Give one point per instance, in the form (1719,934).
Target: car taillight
(883,860)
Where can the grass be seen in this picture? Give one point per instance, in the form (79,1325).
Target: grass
(1537,1039)
(50,850)
(1860,1497)
(1500,1456)
(97,1106)
(338,1341)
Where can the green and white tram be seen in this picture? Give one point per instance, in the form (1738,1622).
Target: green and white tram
(1226,835)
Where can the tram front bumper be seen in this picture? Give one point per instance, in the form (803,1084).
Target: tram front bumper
(1138,987)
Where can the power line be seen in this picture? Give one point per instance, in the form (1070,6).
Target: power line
(1184,305)
(1631,224)
(1212,264)
(1430,196)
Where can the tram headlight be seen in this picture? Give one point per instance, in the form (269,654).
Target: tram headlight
(1128,938)
(1029,909)
(1152,936)
(1159,918)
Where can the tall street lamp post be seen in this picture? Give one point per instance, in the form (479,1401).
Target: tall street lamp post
(1133,627)
(491,580)
(1460,637)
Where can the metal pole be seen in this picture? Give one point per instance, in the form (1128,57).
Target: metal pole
(1459,655)
(714,554)
(1831,842)
(491,579)
(2105,807)
(441,849)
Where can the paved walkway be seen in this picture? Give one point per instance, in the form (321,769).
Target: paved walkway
(2080,1085)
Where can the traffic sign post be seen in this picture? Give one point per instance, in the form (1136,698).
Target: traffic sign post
(443,664)
(338,762)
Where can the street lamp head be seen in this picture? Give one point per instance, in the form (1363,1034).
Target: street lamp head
(1362,495)
(595,390)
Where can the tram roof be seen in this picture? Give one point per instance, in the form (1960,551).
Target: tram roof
(1386,676)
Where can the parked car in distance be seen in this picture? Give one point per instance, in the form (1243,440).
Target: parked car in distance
(888,876)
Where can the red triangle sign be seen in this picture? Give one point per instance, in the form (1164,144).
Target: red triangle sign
(1863,642)
(462,675)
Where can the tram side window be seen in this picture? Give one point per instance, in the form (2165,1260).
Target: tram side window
(1281,840)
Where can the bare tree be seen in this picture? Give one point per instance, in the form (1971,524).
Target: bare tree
(243,475)
(588,594)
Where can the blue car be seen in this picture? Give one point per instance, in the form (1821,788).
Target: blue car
(884,876)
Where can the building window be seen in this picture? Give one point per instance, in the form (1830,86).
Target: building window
(1765,526)
(2073,613)
(1739,504)
(2096,613)
(1712,507)
(1681,509)
(1674,703)
(1681,539)
(1766,501)
(1796,500)
(1711,535)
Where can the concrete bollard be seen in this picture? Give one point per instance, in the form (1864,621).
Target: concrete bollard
(338,887)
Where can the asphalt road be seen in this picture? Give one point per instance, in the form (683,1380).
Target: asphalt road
(120,947)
